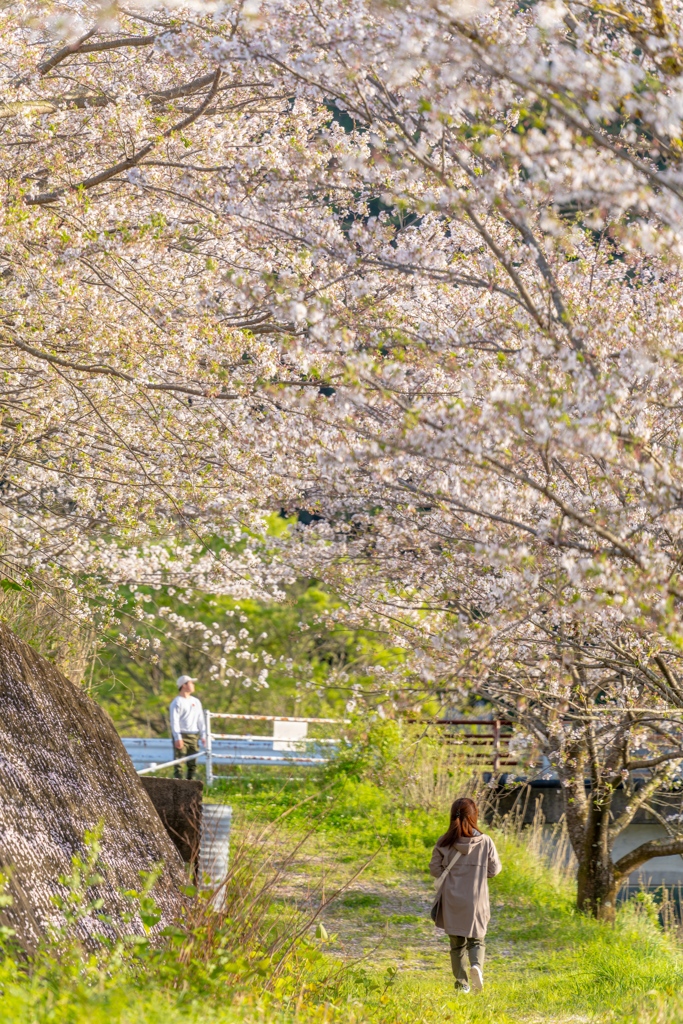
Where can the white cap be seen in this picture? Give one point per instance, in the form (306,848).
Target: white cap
(181,680)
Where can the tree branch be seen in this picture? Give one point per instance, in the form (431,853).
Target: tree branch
(115,44)
(558,301)
(183,90)
(653,761)
(106,44)
(569,512)
(65,52)
(651,678)
(131,161)
(562,104)
(52,103)
(664,822)
(669,675)
(636,801)
(111,371)
(49,104)
(654,848)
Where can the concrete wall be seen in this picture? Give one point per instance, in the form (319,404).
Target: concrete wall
(546,799)
(178,802)
(658,871)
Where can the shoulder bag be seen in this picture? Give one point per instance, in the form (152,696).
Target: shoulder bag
(438,885)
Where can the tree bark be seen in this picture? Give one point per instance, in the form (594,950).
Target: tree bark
(599,877)
(597,886)
(654,848)
(597,882)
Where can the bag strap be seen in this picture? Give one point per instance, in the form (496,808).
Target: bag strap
(444,875)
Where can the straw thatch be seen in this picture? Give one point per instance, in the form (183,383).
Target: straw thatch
(63,770)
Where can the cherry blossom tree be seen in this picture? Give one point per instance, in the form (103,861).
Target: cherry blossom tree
(414,271)
(588,706)
(528,469)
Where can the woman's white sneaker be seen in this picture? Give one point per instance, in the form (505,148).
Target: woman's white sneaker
(476,978)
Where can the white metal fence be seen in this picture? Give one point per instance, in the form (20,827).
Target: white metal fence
(289,744)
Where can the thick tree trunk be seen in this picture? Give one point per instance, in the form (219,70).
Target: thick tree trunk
(588,823)
(597,887)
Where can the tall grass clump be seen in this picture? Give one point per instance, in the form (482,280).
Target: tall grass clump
(52,620)
(263,922)
(235,945)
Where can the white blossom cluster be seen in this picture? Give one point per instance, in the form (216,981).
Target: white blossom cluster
(409,272)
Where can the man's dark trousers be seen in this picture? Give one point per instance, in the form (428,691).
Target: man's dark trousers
(190,746)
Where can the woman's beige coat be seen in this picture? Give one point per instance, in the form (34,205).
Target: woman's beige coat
(465,906)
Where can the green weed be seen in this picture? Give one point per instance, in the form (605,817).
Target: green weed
(360,899)
(370,957)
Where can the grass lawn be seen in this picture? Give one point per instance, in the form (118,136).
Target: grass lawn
(379,959)
(545,961)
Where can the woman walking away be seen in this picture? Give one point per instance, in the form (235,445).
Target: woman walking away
(468,859)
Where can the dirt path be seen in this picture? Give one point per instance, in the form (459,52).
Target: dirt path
(384,922)
(380,925)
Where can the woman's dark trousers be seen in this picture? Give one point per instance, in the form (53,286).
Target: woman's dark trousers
(461,948)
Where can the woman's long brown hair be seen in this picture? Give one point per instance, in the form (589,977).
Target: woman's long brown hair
(464,818)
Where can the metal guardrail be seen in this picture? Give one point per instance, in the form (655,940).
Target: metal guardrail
(288,747)
(281,718)
(153,767)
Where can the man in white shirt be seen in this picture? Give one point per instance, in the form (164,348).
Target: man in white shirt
(188,728)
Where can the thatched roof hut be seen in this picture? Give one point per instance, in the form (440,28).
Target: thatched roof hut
(63,770)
